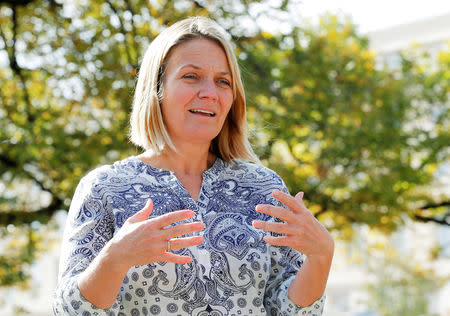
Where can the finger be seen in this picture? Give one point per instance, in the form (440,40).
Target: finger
(174,258)
(279,228)
(299,199)
(172,217)
(275,211)
(186,242)
(182,229)
(289,201)
(143,214)
(278,241)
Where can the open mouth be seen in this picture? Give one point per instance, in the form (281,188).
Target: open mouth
(203,112)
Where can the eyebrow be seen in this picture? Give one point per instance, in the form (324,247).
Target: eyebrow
(224,73)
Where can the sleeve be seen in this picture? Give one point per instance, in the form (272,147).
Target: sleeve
(89,227)
(284,264)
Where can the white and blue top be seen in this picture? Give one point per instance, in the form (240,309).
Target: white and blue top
(233,272)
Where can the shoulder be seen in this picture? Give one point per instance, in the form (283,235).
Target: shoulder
(112,173)
(100,184)
(252,172)
(253,168)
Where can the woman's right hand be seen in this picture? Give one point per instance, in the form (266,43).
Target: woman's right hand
(141,240)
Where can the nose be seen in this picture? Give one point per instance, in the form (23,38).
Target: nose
(208,90)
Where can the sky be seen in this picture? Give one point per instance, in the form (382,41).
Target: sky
(373,15)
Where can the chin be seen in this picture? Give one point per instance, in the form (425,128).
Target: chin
(204,137)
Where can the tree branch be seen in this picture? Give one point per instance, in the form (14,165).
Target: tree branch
(133,33)
(439,219)
(444,221)
(27,217)
(122,29)
(10,163)
(16,2)
(435,205)
(13,61)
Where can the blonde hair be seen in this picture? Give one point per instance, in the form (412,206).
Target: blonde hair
(147,125)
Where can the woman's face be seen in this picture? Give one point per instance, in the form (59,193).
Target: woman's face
(197,93)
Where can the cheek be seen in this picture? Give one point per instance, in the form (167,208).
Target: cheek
(174,101)
(182,96)
(170,112)
(177,94)
(227,101)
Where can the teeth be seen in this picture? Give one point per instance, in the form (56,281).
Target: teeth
(202,111)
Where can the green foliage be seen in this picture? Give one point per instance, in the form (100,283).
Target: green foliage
(24,244)
(322,113)
(402,287)
(362,140)
(11,265)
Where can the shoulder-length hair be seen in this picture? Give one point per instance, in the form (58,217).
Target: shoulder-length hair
(147,125)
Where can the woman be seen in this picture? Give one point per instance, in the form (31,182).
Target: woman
(183,228)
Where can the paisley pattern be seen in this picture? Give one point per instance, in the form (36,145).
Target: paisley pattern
(234,272)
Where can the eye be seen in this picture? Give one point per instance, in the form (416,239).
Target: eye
(224,82)
(189,76)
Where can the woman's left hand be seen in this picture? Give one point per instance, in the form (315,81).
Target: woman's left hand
(300,230)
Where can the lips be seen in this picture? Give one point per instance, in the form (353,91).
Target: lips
(202,112)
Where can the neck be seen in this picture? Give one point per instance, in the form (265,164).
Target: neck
(187,161)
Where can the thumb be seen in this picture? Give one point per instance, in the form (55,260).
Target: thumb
(143,214)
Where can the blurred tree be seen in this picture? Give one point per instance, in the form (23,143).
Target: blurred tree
(362,140)
(400,284)
(322,114)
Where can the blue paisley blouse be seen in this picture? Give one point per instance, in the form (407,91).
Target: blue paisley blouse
(234,271)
